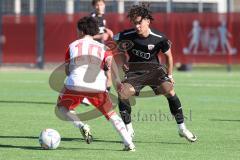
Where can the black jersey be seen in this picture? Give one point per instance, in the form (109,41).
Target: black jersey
(101,22)
(142,49)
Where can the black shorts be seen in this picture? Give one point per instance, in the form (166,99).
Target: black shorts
(152,77)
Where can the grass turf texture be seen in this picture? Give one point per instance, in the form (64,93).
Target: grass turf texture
(211,105)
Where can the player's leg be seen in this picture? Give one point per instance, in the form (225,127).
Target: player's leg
(120,127)
(176,110)
(67,102)
(125,112)
(104,105)
(165,87)
(130,88)
(72,116)
(126,91)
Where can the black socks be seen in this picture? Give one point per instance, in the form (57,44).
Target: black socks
(176,108)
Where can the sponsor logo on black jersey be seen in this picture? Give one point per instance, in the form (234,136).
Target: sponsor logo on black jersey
(151,46)
(141,54)
(125,45)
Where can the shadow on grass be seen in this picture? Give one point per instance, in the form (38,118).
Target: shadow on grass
(23,137)
(225,120)
(92,149)
(26,102)
(21,147)
(34,137)
(95,140)
(59,148)
(147,142)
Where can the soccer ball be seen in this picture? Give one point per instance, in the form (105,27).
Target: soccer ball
(49,139)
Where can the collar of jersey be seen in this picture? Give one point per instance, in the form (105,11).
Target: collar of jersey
(87,37)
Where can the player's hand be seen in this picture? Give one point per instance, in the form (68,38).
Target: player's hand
(109,32)
(104,37)
(171,79)
(119,86)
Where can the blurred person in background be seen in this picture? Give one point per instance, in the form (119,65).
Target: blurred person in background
(99,10)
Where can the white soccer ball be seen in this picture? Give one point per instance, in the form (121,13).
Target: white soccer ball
(49,139)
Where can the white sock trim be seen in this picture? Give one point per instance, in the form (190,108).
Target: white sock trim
(130,128)
(182,126)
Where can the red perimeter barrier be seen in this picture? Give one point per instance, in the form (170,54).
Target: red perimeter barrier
(20,35)
(196,38)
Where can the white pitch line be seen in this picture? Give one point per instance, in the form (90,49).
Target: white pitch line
(208,85)
(24,81)
(227,82)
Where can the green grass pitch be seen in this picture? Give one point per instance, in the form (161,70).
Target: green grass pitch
(211,101)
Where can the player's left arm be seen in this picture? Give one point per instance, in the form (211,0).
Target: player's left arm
(108,73)
(67,62)
(67,72)
(166,49)
(113,70)
(169,63)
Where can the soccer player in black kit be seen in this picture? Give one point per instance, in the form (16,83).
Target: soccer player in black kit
(141,47)
(99,10)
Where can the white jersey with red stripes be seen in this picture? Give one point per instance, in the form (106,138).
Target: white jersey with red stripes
(86,58)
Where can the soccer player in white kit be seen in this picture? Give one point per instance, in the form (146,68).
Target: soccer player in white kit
(103,35)
(86,78)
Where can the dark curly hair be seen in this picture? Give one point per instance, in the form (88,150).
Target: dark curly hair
(140,10)
(88,25)
(95,1)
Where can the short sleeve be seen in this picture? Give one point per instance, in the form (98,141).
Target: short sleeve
(105,66)
(67,56)
(165,45)
(107,54)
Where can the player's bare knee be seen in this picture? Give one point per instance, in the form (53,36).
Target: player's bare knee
(165,88)
(60,108)
(59,112)
(170,93)
(127,91)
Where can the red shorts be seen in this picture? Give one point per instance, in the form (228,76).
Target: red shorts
(71,99)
